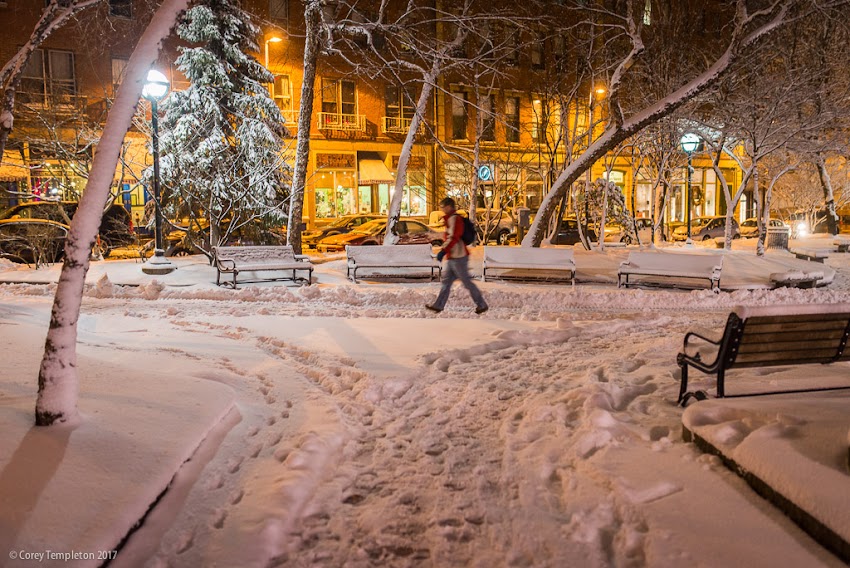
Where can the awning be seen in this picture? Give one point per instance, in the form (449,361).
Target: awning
(371,169)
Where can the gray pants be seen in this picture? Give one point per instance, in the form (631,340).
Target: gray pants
(458,268)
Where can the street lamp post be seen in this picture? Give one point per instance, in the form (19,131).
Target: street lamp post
(273,39)
(689,144)
(155,89)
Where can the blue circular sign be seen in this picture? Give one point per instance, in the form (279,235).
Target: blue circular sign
(485,173)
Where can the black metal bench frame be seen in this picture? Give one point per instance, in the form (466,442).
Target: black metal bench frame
(729,346)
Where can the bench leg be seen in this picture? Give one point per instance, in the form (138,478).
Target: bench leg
(217,277)
(721,377)
(683,388)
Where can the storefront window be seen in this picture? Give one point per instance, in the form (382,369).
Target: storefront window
(324,203)
(365,204)
(335,194)
(346,197)
(383,198)
(414,200)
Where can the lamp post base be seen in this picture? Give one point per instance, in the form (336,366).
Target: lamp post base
(158,264)
(689,243)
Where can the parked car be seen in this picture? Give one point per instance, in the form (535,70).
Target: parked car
(568,234)
(33,241)
(344,224)
(410,232)
(616,233)
(750,228)
(116,226)
(706,228)
(502,227)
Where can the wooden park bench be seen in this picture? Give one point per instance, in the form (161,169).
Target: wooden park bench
(767,337)
(842,243)
(236,260)
(389,257)
(811,254)
(542,263)
(796,278)
(670,265)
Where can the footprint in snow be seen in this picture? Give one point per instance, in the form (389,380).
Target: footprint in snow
(236,498)
(234,465)
(218,518)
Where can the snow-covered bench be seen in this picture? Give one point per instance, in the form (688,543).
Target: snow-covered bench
(398,256)
(235,260)
(768,336)
(811,254)
(797,278)
(671,265)
(842,243)
(549,260)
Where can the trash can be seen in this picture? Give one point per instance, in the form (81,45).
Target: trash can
(777,237)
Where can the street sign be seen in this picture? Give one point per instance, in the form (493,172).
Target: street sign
(485,173)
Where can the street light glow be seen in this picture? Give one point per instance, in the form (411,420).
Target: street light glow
(689,142)
(274,39)
(156,85)
(600,90)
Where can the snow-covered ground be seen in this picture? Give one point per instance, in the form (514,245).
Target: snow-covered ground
(366,431)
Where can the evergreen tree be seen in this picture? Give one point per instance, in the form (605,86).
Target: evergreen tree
(222,149)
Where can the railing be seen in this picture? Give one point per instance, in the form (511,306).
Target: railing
(396,125)
(57,102)
(347,122)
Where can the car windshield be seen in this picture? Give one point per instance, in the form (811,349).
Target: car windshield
(749,223)
(339,223)
(702,221)
(372,227)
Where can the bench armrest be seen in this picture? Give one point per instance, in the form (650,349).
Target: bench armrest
(221,266)
(301,257)
(688,351)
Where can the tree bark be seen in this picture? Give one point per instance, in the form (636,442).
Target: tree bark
(394,211)
(828,196)
(312,20)
(57,378)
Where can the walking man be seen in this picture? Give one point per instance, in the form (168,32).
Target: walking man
(457,261)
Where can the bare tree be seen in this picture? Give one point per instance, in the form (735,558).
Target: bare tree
(748,24)
(55,15)
(57,378)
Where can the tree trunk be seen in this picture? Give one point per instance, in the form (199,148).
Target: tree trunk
(828,197)
(312,18)
(57,378)
(394,211)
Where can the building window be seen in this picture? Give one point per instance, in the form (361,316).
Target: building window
(488,129)
(399,109)
(398,103)
(279,11)
(339,96)
(512,42)
(283,92)
(121,8)
(119,67)
(48,75)
(339,106)
(335,194)
(538,121)
(512,119)
(459,118)
(538,53)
